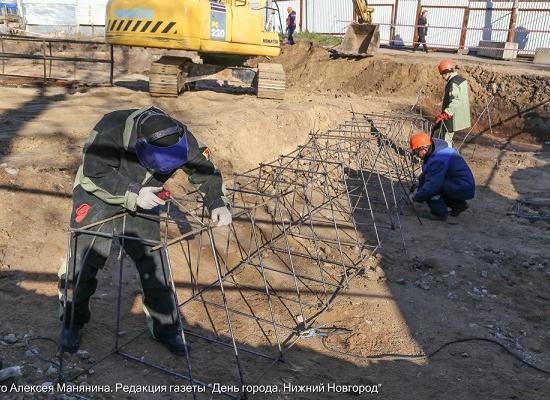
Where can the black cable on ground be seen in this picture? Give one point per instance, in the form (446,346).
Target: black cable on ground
(36,354)
(398,357)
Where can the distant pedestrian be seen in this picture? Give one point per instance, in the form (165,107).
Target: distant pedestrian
(422,31)
(290,24)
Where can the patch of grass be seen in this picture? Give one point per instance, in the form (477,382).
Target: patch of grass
(326,40)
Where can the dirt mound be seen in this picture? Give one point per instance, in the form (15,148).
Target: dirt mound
(309,67)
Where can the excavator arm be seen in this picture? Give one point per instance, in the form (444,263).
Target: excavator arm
(363,11)
(362,38)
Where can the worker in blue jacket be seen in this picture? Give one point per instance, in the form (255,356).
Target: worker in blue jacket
(446,180)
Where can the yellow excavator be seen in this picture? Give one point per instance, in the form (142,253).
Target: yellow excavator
(362,38)
(224,33)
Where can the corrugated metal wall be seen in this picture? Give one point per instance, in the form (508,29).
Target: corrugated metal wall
(327,15)
(486,21)
(495,23)
(382,16)
(530,25)
(445,19)
(446,23)
(405,16)
(283,5)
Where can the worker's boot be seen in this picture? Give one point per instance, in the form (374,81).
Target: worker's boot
(175,344)
(459,209)
(70,338)
(436,217)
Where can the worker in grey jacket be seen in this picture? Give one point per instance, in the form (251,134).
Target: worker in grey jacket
(422,30)
(455,109)
(128,157)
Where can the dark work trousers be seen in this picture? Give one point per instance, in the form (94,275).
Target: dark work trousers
(89,254)
(291,30)
(440,204)
(421,39)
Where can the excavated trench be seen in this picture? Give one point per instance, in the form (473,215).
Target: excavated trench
(520,110)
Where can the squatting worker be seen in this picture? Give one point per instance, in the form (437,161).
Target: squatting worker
(455,110)
(291,24)
(422,31)
(128,157)
(446,181)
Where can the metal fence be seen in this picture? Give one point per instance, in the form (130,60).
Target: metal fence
(453,24)
(42,50)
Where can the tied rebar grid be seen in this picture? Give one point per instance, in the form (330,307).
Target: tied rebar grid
(537,209)
(303,226)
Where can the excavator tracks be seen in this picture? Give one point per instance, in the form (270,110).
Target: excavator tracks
(167,76)
(271,81)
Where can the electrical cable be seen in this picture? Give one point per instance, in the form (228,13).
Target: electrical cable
(398,357)
(36,354)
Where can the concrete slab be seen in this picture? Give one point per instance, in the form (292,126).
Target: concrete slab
(498,50)
(542,56)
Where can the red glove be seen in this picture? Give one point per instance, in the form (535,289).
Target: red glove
(442,117)
(164,195)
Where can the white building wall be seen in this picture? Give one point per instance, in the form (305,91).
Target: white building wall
(50,12)
(91,12)
(68,16)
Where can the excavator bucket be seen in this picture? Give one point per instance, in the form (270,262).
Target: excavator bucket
(360,40)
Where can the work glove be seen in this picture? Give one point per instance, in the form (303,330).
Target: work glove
(147,199)
(411,196)
(222,216)
(442,117)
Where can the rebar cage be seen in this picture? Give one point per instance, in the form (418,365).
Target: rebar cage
(303,226)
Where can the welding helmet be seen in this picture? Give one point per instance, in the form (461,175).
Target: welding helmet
(161,144)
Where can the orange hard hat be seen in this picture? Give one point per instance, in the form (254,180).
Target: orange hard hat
(289,9)
(446,66)
(419,139)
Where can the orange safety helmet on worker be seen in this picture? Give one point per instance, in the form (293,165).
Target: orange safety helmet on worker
(446,66)
(419,140)
(446,181)
(455,107)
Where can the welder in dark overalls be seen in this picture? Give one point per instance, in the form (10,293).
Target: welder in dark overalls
(127,158)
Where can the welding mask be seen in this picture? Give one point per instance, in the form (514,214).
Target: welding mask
(161,144)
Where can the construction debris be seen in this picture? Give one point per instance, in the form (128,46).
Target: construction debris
(10,372)
(532,209)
